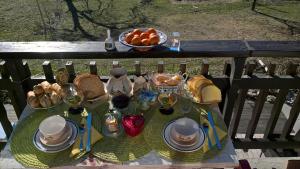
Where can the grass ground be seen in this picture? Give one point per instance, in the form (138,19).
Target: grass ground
(21,21)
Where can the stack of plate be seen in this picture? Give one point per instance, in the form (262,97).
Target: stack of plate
(184,135)
(55,134)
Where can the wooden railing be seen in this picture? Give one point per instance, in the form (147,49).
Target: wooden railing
(234,83)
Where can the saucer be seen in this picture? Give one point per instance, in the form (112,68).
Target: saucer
(177,146)
(54,149)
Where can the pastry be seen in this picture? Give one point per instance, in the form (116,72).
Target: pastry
(57,88)
(45,101)
(33,100)
(90,85)
(55,98)
(172,82)
(162,78)
(38,90)
(46,86)
(177,77)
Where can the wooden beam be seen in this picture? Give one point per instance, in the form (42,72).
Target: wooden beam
(265,144)
(6,125)
(204,68)
(275,112)
(48,71)
(93,67)
(237,67)
(137,66)
(268,82)
(91,50)
(259,104)
(250,67)
(160,67)
(71,71)
(280,100)
(182,67)
(288,127)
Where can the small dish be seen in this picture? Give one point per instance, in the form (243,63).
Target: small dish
(54,149)
(166,134)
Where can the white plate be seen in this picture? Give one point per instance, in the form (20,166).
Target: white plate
(54,149)
(183,148)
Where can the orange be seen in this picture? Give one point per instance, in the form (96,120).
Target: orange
(152,34)
(136,40)
(151,30)
(137,32)
(144,35)
(129,37)
(154,39)
(145,42)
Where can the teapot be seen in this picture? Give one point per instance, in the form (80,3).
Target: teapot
(119,83)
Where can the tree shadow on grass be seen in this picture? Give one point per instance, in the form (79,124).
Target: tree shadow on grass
(293,26)
(137,18)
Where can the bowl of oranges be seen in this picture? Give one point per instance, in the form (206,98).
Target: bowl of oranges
(143,39)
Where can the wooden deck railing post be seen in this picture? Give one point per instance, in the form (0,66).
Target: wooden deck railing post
(237,67)
(276,109)
(48,71)
(259,103)
(238,109)
(3,114)
(295,110)
(93,67)
(71,71)
(204,68)
(20,83)
(182,67)
(160,67)
(137,66)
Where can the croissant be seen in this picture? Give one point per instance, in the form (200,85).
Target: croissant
(46,86)
(38,90)
(32,100)
(55,98)
(57,88)
(45,101)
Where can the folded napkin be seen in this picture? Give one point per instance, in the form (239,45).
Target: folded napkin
(221,133)
(95,136)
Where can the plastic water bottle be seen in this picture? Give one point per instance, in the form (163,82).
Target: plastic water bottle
(175,42)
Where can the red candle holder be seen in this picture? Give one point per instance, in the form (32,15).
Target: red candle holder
(133,124)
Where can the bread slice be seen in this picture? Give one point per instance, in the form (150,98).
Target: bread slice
(211,94)
(90,85)
(196,84)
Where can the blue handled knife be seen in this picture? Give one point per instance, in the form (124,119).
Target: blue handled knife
(89,125)
(211,121)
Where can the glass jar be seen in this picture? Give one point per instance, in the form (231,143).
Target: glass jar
(112,126)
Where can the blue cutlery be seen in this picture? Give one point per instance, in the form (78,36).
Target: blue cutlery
(89,125)
(211,121)
(205,127)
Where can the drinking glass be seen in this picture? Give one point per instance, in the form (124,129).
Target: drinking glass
(175,41)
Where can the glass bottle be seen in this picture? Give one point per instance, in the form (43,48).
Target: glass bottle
(109,42)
